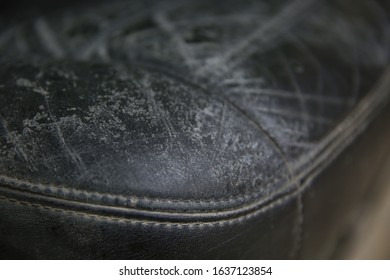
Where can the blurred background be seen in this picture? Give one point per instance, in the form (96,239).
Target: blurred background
(369,234)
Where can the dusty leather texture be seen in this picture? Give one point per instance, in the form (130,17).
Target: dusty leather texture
(188,129)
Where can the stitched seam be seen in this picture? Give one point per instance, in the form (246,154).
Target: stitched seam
(57,189)
(221,222)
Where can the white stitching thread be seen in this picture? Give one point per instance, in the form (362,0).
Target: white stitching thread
(189,225)
(53,189)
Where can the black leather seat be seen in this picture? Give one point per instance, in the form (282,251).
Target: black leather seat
(190,129)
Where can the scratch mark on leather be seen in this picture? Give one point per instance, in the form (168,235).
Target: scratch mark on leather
(297,89)
(73,155)
(238,18)
(292,114)
(265,132)
(319,96)
(99,43)
(286,94)
(93,46)
(222,122)
(225,242)
(355,79)
(48,39)
(217,139)
(160,114)
(242,81)
(168,27)
(266,33)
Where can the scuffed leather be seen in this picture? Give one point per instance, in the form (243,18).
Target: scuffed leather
(140,129)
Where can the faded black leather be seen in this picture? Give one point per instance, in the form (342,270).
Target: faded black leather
(196,129)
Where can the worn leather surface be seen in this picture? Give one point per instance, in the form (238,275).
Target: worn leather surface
(196,129)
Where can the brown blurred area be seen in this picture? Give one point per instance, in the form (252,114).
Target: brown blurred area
(368,238)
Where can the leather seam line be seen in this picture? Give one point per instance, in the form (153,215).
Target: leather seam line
(78,194)
(189,224)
